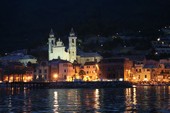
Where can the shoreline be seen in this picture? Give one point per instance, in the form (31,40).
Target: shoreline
(69,85)
(60,85)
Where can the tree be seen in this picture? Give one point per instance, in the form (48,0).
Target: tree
(82,73)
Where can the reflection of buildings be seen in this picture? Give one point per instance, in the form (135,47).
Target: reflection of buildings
(75,100)
(131,99)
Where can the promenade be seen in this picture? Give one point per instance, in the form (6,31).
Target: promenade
(59,85)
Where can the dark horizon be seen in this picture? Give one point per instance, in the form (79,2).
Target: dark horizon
(24,21)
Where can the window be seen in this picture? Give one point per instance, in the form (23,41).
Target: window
(39,70)
(139,77)
(87,60)
(145,76)
(45,71)
(72,40)
(65,70)
(65,77)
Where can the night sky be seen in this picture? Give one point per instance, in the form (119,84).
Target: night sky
(26,23)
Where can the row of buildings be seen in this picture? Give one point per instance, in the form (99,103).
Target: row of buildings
(115,69)
(71,64)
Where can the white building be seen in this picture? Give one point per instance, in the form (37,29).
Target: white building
(57,50)
(19,57)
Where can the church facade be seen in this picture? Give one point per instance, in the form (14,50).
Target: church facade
(57,50)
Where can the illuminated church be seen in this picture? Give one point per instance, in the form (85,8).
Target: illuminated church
(57,50)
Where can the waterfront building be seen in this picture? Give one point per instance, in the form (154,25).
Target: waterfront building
(90,71)
(163,73)
(150,71)
(42,71)
(17,72)
(144,71)
(114,68)
(61,70)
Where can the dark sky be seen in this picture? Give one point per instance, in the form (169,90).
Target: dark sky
(24,22)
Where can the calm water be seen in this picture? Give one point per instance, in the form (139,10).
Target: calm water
(140,99)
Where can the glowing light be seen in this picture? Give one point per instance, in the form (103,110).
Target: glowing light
(145,79)
(120,79)
(156,53)
(158,39)
(97,66)
(55,76)
(55,103)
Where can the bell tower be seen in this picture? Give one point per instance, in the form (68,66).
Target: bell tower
(72,46)
(51,43)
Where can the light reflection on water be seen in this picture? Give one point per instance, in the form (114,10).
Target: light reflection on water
(140,99)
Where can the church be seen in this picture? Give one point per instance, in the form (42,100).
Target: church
(57,50)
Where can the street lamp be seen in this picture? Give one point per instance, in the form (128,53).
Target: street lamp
(55,76)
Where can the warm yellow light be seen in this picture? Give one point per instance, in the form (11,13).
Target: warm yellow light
(55,75)
(145,79)
(97,66)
